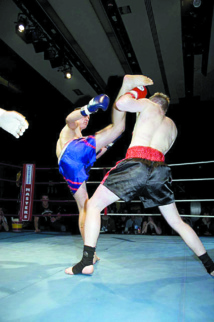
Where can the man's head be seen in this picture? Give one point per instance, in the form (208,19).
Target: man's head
(44,199)
(162,100)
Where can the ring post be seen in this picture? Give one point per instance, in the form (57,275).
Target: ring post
(28,182)
(106,209)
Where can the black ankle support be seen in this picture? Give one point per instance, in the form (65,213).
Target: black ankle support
(207,261)
(87,259)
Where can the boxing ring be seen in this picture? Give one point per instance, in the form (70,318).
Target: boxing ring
(138,278)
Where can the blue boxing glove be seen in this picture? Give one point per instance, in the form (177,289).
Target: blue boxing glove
(101,101)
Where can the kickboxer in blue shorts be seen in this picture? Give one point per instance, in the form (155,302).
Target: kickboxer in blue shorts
(76,154)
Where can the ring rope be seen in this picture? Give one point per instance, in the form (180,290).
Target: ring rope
(191,163)
(95,168)
(7,180)
(197,179)
(7,199)
(113,214)
(50,182)
(11,165)
(98,182)
(182,200)
(187,200)
(149,215)
(171,165)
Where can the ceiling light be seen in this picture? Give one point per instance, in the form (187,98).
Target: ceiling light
(24,28)
(21,23)
(68,74)
(66,68)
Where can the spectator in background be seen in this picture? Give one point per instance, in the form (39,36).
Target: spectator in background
(107,224)
(3,221)
(129,225)
(133,225)
(205,225)
(121,224)
(151,226)
(47,221)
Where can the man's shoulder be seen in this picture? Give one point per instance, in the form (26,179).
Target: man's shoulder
(170,121)
(68,133)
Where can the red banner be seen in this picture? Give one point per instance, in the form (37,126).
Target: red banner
(28,181)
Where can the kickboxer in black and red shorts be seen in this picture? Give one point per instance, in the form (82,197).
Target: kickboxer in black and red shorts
(144,174)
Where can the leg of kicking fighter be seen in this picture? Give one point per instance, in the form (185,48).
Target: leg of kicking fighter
(81,197)
(102,198)
(114,130)
(189,236)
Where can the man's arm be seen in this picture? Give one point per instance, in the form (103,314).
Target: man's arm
(101,152)
(99,102)
(158,230)
(127,103)
(72,118)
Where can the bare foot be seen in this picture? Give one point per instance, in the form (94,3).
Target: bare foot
(96,258)
(131,81)
(37,231)
(87,270)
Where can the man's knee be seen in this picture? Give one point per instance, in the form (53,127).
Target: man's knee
(176,222)
(92,204)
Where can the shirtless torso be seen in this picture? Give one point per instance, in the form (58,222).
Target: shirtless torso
(152,127)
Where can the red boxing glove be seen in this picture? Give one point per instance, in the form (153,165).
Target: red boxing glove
(138,92)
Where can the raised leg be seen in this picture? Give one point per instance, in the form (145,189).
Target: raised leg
(114,130)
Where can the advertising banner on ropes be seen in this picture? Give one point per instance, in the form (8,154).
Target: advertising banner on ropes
(28,181)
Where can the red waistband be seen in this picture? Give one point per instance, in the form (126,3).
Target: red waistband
(145,152)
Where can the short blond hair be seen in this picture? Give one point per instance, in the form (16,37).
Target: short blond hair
(161,99)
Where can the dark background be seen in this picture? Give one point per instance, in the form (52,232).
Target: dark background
(176,51)
(46,109)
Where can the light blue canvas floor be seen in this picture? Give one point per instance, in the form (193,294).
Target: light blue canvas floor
(139,278)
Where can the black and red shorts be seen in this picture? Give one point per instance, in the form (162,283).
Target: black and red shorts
(142,174)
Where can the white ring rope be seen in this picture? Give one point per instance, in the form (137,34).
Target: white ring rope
(170,165)
(150,215)
(191,163)
(175,180)
(197,179)
(183,200)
